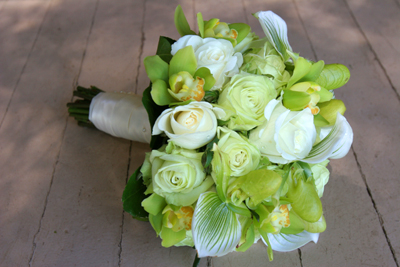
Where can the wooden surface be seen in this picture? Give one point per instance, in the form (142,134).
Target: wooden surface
(61,185)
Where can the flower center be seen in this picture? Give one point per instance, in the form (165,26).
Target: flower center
(188,119)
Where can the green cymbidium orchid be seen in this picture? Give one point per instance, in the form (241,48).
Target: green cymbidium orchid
(178,81)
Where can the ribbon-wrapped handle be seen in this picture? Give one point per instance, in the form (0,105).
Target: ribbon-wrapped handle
(121,115)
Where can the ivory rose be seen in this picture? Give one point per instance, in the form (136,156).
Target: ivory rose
(190,126)
(218,55)
(286,135)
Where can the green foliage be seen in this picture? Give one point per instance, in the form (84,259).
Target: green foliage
(134,195)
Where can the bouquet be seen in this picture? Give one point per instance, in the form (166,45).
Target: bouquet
(241,130)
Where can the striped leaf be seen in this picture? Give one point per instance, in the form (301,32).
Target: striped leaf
(276,31)
(216,229)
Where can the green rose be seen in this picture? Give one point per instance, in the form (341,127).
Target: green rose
(243,156)
(244,99)
(263,59)
(178,175)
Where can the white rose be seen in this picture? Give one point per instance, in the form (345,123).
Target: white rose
(286,135)
(190,126)
(218,55)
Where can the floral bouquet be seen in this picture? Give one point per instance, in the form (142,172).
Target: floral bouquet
(242,129)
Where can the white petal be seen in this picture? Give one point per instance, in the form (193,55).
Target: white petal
(286,243)
(216,229)
(275,29)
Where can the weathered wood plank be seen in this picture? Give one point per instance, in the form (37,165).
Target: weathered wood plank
(380,23)
(92,165)
(33,128)
(140,246)
(19,26)
(372,112)
(159,21)
(112,58)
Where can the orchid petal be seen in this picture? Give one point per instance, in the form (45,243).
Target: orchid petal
(216,229)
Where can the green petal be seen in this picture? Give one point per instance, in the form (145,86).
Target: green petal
(221,171)
(216,229)
(301,68)
(160,94)
(156,222)
(170,238)
(209,79)
(156,68)
(181,23)
(314,72)
(248,235)
(154,204)
(333,76)
(329,110)
(260,184)
(200,23)
(324,95)
(295,100)
(183,60)
(316,227)
(297,225)
(243,30)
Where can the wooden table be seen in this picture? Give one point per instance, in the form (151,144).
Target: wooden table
(61,185)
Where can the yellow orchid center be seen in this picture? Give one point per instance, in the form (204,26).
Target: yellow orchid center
(178,220)
(184,87)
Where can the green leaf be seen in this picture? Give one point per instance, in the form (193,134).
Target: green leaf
(333,76)
(181,23)
(160,94)
(301,67)
(153,112)
(183,60)
(154,204)
(275,29)
(170,237)
(243,30)
(164,48)
(133,196)
(264,236)
(156,68)
(200,23)
(314,72)
(216,229)
(209,79)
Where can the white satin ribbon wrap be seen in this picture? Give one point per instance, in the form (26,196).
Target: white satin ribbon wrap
(121,115)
